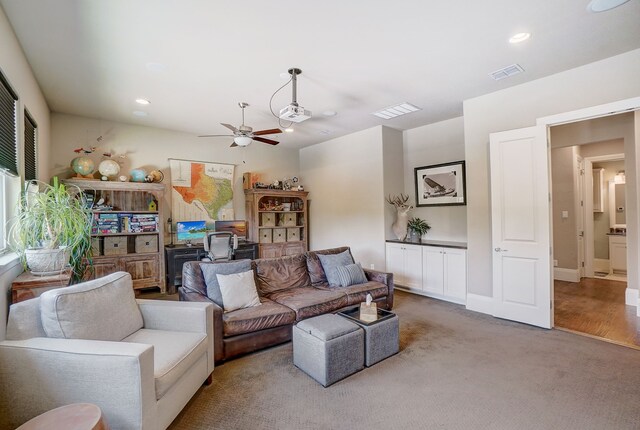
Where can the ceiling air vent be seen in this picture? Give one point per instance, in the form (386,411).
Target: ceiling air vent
(505,72)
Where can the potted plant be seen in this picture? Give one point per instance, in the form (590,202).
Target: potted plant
(417,228)
(52,229)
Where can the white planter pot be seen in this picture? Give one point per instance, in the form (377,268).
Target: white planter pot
(47,261)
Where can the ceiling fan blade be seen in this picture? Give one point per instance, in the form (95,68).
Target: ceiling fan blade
(271,131)
(230,127)
(216,135)
(233,144)
(264,140)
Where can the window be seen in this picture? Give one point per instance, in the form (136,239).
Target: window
(30,142)
(8,128)
(8,149)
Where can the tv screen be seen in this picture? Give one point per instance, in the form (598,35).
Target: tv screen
(237,227)
(191,230)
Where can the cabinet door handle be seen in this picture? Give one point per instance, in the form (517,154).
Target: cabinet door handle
(501,250)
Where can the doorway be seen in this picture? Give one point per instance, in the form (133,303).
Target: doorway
(589,228)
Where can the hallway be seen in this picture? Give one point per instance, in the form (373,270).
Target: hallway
(596,307)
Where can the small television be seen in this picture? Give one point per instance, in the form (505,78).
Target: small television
(237,227)
(188,231)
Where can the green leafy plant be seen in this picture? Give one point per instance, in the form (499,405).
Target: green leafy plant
(51,217)
(418,225)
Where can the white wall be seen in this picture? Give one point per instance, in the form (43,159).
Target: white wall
(605,81)
(150,147)
(344,177)
(437,143)
(16,69)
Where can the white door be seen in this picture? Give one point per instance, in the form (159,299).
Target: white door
(580,213)
(520,221)
(395,262)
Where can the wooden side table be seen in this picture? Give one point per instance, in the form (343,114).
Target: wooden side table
(27,286)
(77,416)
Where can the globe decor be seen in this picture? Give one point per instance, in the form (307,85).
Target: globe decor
(108,169)
(52,229)
(83,167)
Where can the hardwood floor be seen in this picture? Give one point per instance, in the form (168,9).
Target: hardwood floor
(595,307)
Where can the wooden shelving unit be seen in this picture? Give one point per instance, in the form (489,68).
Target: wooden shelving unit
(137,253)
(277,230)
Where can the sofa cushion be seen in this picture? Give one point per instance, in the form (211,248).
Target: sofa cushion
(351,274)
(330,264)
(101,309)
(24,320)
(357,294)
(210,270)
(173,354)
(238,290)
(268,315)
(275,274)
(309,301)
(316,273)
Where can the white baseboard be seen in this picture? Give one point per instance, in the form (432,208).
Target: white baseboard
(601,265)
(478,303)
(631,297)
(568,275)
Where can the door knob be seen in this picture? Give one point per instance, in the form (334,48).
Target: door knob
(497,249)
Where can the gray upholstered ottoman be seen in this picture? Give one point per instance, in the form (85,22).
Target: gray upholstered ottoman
(328,348)
(381,337)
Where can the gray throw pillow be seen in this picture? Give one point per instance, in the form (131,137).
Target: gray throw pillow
(210,270)
(331,261)
(351,274)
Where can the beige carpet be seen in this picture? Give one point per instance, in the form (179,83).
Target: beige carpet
(456,370)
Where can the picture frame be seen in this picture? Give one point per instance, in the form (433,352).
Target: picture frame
(441,184)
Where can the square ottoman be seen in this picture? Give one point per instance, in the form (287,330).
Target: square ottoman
(381,337)
(328,348)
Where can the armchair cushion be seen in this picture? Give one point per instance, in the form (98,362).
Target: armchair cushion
(210,272)
(101,309)
(174,353)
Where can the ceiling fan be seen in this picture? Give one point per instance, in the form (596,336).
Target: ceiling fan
(244,135)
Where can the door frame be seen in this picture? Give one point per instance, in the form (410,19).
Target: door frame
(589,251)
(599,111)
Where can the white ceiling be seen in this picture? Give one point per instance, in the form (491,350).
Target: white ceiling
(91,57)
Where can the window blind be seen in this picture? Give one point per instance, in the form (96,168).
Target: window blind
(8,127)
(30,127)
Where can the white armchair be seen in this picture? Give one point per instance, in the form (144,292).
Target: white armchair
(140,361)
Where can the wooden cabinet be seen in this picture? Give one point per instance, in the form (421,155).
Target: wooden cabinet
(277,220)
(429,269)
(129,236)
(405,262)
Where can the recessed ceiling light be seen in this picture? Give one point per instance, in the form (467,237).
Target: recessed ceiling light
(143,101)
(140,113)
(329,113)
(604,5)
(288,130)
(397,110)
(519,37)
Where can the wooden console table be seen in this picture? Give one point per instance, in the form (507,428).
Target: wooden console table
(27,286)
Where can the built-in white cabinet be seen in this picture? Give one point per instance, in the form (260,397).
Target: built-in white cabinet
(444,272)
(440,271)
(405,262)
(618,253)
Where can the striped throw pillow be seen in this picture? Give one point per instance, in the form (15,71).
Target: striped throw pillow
(351,274)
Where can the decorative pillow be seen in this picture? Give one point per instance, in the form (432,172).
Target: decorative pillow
(210,270)
(238,291)
(351,274)
(331,261)
(101,309)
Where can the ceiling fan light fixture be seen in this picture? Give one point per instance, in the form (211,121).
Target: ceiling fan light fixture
(242,140)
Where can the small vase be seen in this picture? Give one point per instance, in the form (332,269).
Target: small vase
(414,236)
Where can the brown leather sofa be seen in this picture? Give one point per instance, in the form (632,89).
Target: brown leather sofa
(291,289)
